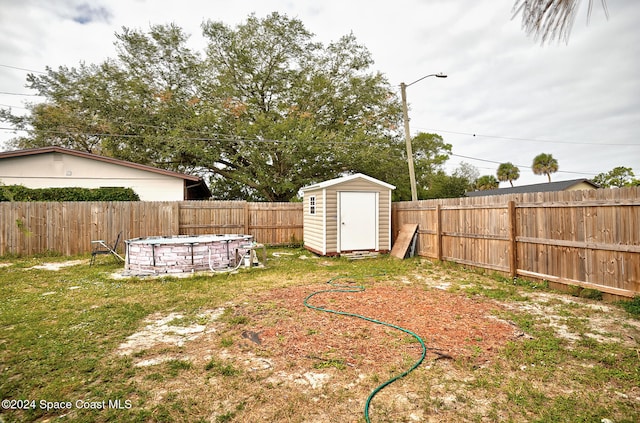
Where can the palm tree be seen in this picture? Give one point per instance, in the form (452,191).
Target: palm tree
(508,172)
(544,164)
(486,182)
(549,19)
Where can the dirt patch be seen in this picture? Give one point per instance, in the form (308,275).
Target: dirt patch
(58,265)
(169,330)
(596,320)
(452,326)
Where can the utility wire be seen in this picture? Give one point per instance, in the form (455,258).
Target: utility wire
(13,107)
(26,95)
(231,139)
(471,134)
(22,69)
(222,138)
(528,139)
(517,165)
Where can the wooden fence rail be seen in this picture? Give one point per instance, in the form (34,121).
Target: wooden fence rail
(28,228)
(583,238)
(589,239)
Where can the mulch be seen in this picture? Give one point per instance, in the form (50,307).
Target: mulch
(452,326)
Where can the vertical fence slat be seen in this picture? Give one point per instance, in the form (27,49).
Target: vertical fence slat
(438,232)
(513,246)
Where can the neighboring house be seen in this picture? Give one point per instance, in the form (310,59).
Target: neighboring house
(571,185)
(57,167)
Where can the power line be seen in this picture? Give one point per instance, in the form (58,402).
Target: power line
(22,69)
(471,134)
(231,138)
(221,138)
(519,165)
(13,107)
(528,139)
(26,95)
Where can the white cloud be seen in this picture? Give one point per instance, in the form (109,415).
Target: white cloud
(85,13)
(500,84)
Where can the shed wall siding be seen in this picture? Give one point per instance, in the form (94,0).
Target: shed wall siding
(384,207)
(332,220)
(313,232)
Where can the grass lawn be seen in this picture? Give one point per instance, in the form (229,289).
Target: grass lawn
(77,344)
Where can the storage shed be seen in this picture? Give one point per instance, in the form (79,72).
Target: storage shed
(351,213)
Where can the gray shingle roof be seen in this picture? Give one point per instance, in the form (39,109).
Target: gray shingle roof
(544,187)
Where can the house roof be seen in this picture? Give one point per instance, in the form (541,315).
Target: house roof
(543,187)
(194,184)
(347,178)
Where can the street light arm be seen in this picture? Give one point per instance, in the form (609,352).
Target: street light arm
(407,137)
(437,75)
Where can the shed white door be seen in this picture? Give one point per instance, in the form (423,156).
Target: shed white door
(358,220)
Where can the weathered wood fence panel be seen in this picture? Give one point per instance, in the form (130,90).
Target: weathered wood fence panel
(269,223)
(68,227)
(584,238)
(213,217)
(281,223)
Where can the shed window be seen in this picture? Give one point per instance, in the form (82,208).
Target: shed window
(312,204)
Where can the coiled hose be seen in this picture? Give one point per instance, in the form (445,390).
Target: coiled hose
(360,288)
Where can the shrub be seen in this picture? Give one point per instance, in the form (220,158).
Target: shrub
(21,193)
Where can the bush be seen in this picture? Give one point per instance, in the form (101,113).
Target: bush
(21,193)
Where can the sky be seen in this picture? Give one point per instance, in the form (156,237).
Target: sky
(507,97)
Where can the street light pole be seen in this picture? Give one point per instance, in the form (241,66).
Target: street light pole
(407,135)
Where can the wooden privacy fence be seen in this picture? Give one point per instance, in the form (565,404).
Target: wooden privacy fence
(584,238)
(28,228)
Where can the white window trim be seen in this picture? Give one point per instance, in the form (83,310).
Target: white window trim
(312,205)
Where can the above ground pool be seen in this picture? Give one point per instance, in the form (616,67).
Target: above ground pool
(185,253)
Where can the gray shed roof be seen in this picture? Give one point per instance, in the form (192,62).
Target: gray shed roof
(347,178)
(544,187)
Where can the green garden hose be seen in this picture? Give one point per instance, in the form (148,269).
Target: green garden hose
(360,288)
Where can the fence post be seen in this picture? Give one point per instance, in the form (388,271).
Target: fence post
(246,218)
(438,233)
(513,244)
(175,217)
